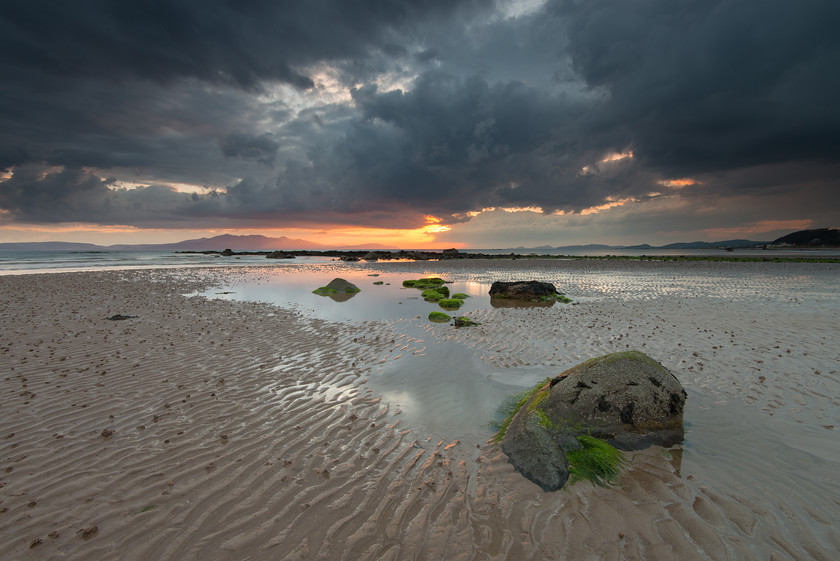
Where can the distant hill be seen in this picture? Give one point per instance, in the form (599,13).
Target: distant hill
(50,246)
(701,245)
(216,243)
(821,237)
(713,245)
(228,241)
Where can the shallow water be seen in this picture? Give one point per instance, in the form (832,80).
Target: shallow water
(446,387)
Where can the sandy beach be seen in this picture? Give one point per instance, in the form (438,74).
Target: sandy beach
(211,428)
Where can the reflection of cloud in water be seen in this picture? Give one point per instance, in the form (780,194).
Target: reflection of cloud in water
(448,390)
(506,303)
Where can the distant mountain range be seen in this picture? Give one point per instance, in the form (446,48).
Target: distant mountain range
(216,243)
(823,237)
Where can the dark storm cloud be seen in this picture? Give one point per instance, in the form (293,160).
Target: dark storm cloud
(713,85)
(250,147)
(482,109)
(217,41)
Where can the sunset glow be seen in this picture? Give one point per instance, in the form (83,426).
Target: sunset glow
(678,183)
(617,156)
(611,203)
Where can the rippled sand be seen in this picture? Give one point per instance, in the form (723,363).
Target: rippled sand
(212,429)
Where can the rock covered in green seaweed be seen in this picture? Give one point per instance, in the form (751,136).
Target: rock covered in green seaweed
(432,295)
(464,321)
(439,317)
(450,303)
(623,400)
(428,282)
(337,286)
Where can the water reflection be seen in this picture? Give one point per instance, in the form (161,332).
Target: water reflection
(449,390)
(505,303)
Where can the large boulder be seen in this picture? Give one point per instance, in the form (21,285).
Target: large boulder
(528,291)
(626,399)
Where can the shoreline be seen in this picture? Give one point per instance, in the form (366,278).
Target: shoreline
(260,438)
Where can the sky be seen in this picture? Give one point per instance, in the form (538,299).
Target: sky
(419,123)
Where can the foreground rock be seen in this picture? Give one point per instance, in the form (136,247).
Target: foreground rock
(626,399)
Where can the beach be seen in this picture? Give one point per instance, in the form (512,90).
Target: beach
(214,427)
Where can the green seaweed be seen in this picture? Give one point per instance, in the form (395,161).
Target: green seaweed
(439,317)
(460,296)
(596,462)
(510,407)
(379,282)
(409,283)
(429,282)
(464,321)
(432,295)
(450,303)
(324,291)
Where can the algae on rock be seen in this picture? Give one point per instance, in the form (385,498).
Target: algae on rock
(439,317)
(625,401)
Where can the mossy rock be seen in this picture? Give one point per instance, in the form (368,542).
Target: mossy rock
(465,322)
(575,423)
(450,303)
(379,282)
(439,317)
(432,295)
(324,291)
(460,296)
(409,283)
(429,282)
(336,287)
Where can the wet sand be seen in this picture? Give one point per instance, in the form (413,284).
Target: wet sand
(214,429)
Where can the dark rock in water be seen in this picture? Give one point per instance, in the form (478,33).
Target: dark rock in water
(280,255)
(371,256)
(341,285)
(228,252)
(464,321)
(349,258)
(626,399)
(120,317)
(523,290)
(338,289)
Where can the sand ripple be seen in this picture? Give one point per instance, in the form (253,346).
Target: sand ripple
(222,430)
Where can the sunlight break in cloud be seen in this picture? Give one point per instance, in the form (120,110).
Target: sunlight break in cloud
(678,183)
(510,209)
(607,159)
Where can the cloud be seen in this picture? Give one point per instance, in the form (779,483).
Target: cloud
(215,41)
(249,147)
(378,114)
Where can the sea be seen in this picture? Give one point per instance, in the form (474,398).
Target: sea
(28,262)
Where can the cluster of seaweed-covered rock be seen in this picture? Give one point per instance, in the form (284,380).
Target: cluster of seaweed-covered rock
(434,290)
